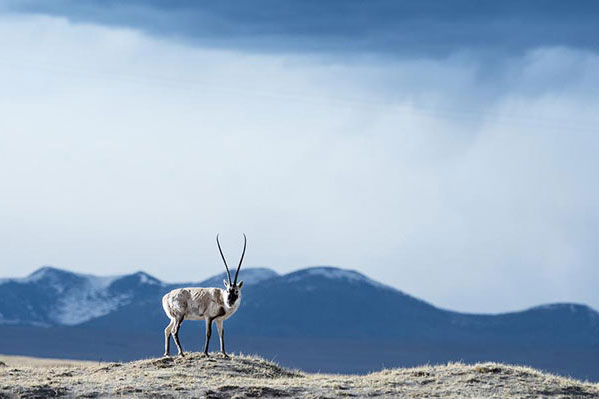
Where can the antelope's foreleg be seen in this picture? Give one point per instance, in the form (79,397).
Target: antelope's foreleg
(221,334)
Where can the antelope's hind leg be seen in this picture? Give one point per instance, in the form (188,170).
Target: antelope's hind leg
(175,333)
(167,337)
(221,334)
(208,334)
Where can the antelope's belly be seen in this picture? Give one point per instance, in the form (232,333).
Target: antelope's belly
(194,312)
(195,316)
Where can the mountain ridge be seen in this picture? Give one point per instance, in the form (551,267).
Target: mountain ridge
(50,275)
(54,296)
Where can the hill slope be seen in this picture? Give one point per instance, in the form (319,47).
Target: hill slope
(251,377)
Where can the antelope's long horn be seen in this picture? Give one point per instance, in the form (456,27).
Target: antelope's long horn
(245,241)
(224,260)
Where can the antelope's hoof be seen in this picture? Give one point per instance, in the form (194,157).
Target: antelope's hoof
(226,356)
(181,354)
(205,354)
(166,356)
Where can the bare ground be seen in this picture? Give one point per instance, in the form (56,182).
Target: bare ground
(251,377)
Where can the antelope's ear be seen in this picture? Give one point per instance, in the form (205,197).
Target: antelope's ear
(240,284)
(226,283)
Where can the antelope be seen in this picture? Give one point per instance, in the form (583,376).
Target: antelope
(210,304)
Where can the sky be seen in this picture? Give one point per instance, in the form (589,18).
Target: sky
(444,149)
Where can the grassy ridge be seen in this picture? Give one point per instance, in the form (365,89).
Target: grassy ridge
(252,377)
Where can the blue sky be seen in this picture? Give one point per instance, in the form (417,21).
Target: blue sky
(445,149)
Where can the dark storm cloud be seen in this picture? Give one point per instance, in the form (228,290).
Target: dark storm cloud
(422,27)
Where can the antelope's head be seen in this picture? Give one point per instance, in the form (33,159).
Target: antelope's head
(233,288)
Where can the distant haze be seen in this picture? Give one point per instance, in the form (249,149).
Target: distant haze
(461,171)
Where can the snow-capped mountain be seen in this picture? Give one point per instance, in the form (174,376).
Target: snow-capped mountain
(332,298)
(333,273)
(51,296)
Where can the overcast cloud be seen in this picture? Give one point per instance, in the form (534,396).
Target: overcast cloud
(392,27)
(464,179)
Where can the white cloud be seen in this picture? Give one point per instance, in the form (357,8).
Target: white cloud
(466,184)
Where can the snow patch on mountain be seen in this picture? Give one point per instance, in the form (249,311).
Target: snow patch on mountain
(569,307)
(78,297)
(249,276)
(92,299)
(83,306)
(145,278)
(34,277)
(88,300)
(335,273)
(55,278)
(99,283)
(256,274)
(40,274)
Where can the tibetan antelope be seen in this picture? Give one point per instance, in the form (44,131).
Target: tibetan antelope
(196,303)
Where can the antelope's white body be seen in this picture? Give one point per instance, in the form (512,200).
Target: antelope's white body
(195,303)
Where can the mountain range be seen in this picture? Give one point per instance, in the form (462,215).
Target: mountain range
(318,319)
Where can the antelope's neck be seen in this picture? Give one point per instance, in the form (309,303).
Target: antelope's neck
(226,301)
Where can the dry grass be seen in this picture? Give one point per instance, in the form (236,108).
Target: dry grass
(251,377)
(24,361)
